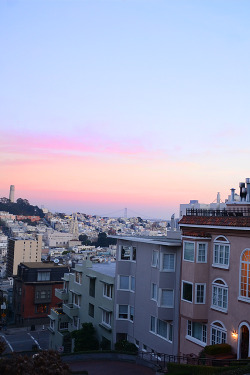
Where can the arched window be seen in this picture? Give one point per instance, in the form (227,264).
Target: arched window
(221,252)
(219,295)
(218,333)
(245,275)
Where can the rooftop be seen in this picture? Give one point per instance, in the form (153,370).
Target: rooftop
(105,268)
(43,265)
(222,221)
(159,240)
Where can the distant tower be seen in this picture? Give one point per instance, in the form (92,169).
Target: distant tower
(125,213)
(74,227)
(12,192)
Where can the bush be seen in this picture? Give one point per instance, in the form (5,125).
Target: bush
(217,349)
(85,338)
(178,369)
(126,346)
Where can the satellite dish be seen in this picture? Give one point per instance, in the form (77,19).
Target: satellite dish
(56,261)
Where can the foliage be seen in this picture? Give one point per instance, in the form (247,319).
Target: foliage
(126,346)
(238,371)
(44,363)
(84,239)
(178,369)
(104,241)
(85,338)
(217,349)
(21,207)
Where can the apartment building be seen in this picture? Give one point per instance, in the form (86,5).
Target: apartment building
(215,277)
(34,291)
(87,297)
(147,292)
(22,250)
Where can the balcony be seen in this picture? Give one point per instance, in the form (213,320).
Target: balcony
(70,309)
(62,294)
(165,313)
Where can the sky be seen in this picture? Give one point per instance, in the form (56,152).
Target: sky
(107,104)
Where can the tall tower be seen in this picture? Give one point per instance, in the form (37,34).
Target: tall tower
(74,227)
(12,192)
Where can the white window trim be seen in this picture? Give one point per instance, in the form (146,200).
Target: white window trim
(225,286)
(168,270)
(200,303)
(222,329)
(155,331)
(129,282)
(157,292)
(187,282)
(157,260)
(240,297)
(193,339)
(225,243)
(160,297)
(197,252)
(129,308)
(105,323)
(187,260)
(105,295)
(131,253)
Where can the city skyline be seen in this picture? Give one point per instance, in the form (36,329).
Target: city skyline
(111,104)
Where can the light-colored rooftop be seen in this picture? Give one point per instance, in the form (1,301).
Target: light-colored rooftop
(160,240)
(107,268)
(43,265)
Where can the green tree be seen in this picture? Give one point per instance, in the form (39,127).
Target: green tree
(84,239)
(85,338)
(104,241)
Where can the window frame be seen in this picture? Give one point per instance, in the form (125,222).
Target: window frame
(247,276)
(154,287)
(197,252)
(223,287)
(188,242)
(196,293)
(217,328)
(156,263)
(106,314)
(182,290)
(190,329)
(162,262)
(129,313)
(161,295)
(129,289)
(221,243)
(155,328)
(132,253)
(108,290)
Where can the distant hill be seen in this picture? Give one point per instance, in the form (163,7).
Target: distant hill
(21,207)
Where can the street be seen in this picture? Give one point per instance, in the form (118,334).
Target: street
(20,339)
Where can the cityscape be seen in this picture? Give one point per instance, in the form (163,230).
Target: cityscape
(125,187)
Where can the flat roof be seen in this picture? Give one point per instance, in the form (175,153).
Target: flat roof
(43,265)
(161,240)
(104,268)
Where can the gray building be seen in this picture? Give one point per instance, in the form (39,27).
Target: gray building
(147,292)
(88,297)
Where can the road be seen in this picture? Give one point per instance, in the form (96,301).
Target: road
(19,340)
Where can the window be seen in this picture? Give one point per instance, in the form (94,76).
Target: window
(106,318)
(91,310)
(221,252)
(126,283)
(92,287)
(218,333)
(155,258)
(187,291)
(200,293)
(42,294)
(154,292)
(202,253)
(78,277)
(219,295)
(126,312)
(52,324)
(168,262)
(107,290)
(245,275)
(161,328)
(197,332)
(63,326)
(123,312)
(76,299)
(128,253)
(43,276)
(167,298)
(188,251)
(41,308)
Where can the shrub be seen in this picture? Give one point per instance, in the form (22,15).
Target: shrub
(218,349)
(85,338)
(126,346)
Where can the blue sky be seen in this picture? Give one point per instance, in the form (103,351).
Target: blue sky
(169,79)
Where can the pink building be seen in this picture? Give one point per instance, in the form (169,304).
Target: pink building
(215,278)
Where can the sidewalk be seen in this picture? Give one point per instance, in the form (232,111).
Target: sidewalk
(13,330)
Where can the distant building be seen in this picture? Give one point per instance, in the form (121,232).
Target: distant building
(34,291)
(12,194)
(22,250)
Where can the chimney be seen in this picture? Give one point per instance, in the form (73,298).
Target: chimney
(248,189)
(232,194)
(242,186)
(218,197)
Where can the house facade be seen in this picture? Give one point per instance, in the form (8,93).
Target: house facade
(215,280)
(147,292)
(87,297)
